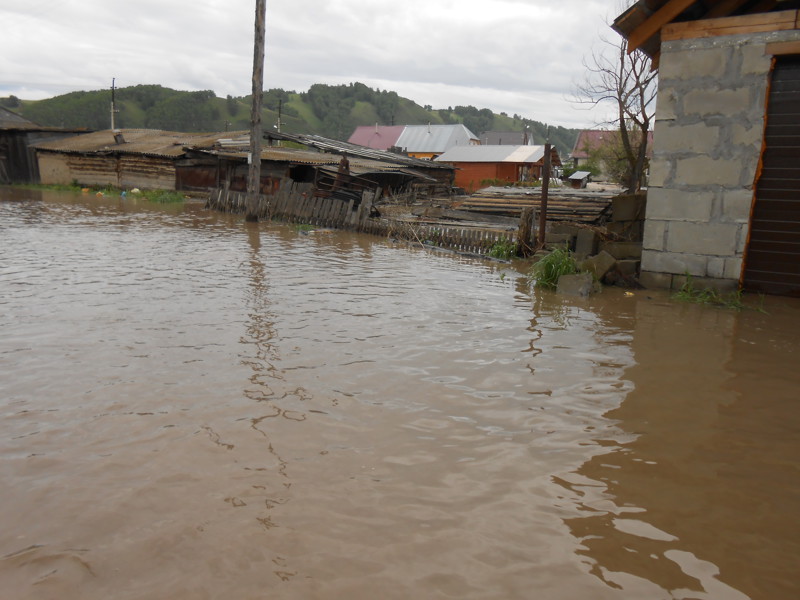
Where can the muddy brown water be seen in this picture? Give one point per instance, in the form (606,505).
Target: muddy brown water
(197,407)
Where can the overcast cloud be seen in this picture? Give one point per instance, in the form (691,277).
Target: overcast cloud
(515,56)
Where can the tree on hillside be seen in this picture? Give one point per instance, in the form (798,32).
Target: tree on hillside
(186,111)
(627,82)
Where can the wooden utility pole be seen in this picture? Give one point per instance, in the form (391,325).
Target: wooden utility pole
(114,110)
(254,172)
(545,188)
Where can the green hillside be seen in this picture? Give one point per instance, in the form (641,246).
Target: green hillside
(331,111)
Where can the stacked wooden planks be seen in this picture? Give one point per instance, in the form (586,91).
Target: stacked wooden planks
(591,209)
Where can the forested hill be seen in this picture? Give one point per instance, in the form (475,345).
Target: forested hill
(331,111)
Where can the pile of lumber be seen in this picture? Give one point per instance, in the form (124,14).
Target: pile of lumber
(590,209)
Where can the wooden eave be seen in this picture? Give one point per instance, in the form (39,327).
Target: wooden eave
(649,22)
(759,23)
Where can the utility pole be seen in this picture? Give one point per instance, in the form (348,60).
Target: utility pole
(545,188)
(254,172)
(113,105)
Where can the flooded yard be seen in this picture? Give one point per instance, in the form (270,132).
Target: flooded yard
(198,407)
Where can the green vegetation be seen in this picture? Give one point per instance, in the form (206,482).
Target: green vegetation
(160,196)
(504,249)
(545,272)
(163,196)
(329,110)
(517,184)
(303,227)
(689,293)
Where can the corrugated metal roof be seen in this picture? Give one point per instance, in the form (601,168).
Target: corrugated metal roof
(353,150)
(150,142)
(493,154)
(434,138)
(308,157)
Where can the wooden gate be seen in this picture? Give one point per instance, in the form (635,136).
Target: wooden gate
(773,255)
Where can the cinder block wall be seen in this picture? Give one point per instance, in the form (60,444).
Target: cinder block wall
(707,143)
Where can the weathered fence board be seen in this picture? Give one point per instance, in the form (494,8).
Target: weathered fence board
(296,203)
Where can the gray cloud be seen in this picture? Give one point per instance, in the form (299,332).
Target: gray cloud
(513,56)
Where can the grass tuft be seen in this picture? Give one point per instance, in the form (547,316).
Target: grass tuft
(546,271)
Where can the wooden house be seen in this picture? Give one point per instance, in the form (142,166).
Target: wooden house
(723,201)
(509,164)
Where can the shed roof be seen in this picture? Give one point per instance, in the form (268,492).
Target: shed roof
(434,138)
(380,137)
(150,142)
(493,154)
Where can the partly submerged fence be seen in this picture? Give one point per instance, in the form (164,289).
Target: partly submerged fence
(296,203)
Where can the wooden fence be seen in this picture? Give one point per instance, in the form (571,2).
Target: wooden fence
(296,203)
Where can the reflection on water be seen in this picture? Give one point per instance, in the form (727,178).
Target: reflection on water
(194,406)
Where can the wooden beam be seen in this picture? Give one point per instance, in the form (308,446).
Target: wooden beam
(760,23)
(656,21)
(724,8)
(782,48)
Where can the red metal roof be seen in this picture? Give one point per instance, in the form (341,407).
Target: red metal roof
(378,137)
(591,139)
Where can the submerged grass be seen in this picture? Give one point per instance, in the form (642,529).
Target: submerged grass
(160,196)
(546,271)
(164,196)
(504,249)
(732,300)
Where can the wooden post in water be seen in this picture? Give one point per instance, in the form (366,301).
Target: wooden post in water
(254,172)
(524,248)
(545,188)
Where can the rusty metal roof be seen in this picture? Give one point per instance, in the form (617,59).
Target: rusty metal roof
(149,142)
(355,151)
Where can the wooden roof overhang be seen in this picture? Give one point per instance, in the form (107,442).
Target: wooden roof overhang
(649,22)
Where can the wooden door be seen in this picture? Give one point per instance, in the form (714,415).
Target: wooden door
(772,263)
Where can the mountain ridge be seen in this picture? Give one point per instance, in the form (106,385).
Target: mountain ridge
(329,110)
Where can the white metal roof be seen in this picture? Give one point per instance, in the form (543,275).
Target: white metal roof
(511,154)
(434,138)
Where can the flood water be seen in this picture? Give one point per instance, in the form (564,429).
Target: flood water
(198,407)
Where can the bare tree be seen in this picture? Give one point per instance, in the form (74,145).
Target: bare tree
(627,82)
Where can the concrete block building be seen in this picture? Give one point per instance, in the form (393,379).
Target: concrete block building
(724,193)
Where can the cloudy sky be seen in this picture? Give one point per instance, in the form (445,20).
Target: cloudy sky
(515,56)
